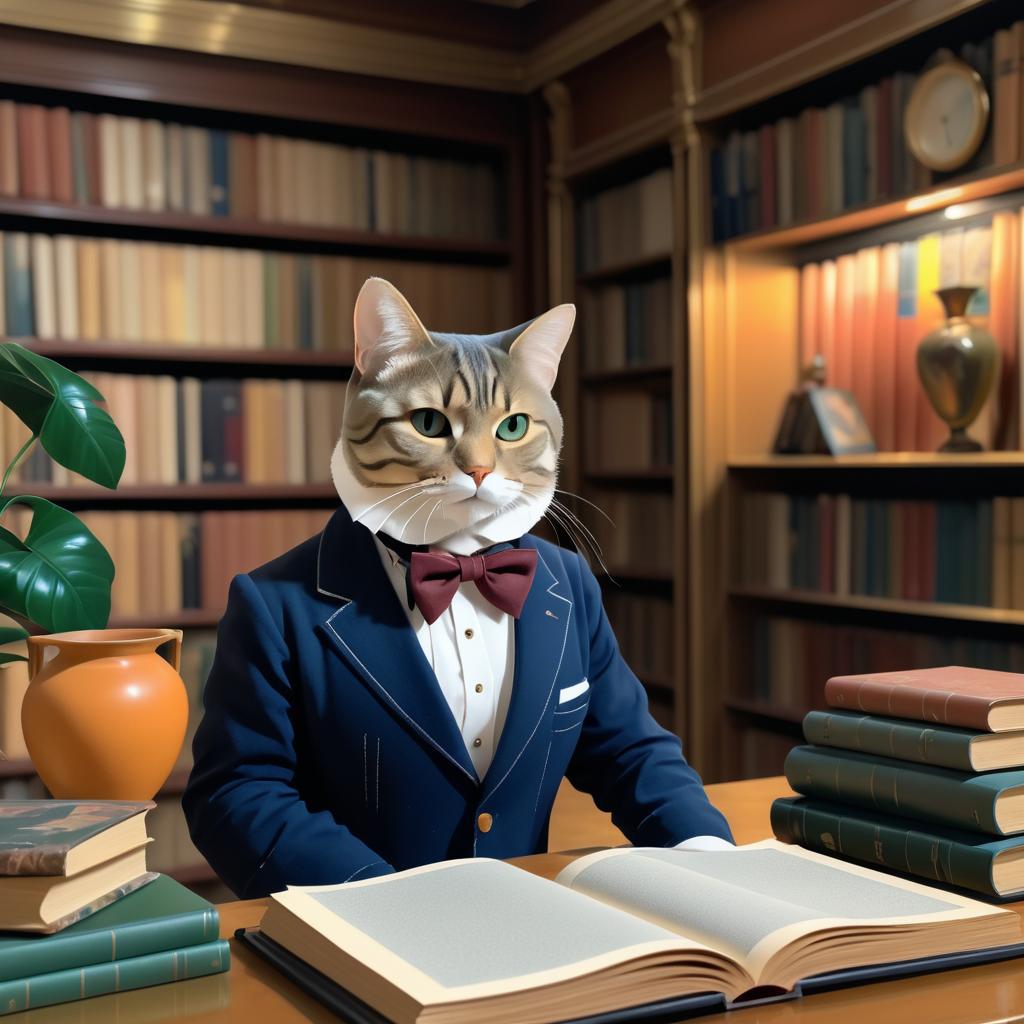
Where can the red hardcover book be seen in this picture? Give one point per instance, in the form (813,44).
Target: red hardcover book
(810,340)
(862,353)
(8,148)
(972,698)
(59,126)
(931,431)
(884,136)
(886,370)
(92,157)
(34,160)
(767,153)
(827,318)
(1003,321)
(846,285)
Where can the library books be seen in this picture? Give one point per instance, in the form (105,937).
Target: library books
(625,223)
(955,550)
(76,288)
(128,162)
(820,161)
(626,325)
(62,860)
(615,930)
(637,535)
(972,698)
(982,863)
(628,430)
(160,933)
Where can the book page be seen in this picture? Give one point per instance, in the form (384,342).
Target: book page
(734,900)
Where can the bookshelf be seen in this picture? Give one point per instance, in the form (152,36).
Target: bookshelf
(461,143)
(760,651)
(616,163)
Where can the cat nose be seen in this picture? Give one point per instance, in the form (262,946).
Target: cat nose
(477,473)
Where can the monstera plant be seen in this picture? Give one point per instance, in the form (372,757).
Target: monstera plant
(58,576)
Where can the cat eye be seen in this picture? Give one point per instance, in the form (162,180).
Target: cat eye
(513,427)
(431,423)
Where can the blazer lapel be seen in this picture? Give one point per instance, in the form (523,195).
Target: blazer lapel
(372,632)
(541,634)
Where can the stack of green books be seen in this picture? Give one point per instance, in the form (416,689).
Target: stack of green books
(920,772)
(81,916)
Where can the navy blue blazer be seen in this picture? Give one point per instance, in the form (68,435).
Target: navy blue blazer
(327,751)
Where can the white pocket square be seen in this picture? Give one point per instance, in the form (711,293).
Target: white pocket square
(569,692)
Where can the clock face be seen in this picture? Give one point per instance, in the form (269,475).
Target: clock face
(946,116)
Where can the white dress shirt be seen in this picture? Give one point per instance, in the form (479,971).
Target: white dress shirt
(471,648)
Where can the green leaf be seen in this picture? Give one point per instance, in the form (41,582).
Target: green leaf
(6,657)
(9,634)
(59,576)
(59,406)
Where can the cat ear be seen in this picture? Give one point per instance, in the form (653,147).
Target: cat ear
(540,346)
(384,323)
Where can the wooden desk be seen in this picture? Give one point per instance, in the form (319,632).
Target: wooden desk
(253,992)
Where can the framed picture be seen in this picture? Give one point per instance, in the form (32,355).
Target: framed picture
(824,421)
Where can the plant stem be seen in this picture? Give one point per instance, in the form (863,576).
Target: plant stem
(17,458)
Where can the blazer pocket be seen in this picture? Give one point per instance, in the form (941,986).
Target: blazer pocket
(572,707)
(567,696)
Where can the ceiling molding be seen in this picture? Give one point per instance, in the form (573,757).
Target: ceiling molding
(257,33)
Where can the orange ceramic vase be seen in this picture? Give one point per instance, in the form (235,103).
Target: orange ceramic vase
(104,719)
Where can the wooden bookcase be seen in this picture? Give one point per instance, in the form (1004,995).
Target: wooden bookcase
(613,121)
(224,92)
(744,322)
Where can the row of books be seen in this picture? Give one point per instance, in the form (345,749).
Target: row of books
(958,551)
(644,629)
(625,223)
(78,288)
(628,430)
(168,561)
(867,311)
(191,431)
(785,659)
(84,914)
(637,541)
(626,325)
(821,161)
(121,162)
(916,771)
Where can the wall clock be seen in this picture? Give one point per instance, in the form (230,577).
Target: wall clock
(947,115)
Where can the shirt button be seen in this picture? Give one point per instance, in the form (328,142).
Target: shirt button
(469,634)
(479,687)
(484,822)
(477,742)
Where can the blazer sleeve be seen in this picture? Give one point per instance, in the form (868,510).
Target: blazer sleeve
(632,767)
(243,809)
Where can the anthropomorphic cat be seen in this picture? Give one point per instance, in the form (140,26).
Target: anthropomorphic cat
(413,683)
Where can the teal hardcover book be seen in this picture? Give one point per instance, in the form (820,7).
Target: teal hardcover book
(985,864)
(119,976)
(991,802)
(160,916)
(945,746)
(37,836)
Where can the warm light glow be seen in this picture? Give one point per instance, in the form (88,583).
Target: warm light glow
(132,690)
(934,199)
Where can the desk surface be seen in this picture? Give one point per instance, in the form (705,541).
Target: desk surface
(253,992)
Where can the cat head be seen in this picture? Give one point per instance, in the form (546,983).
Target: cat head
(449,439)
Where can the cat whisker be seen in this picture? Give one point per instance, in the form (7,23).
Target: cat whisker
(411,497)
(416,512)
(568,514)
(578,497)
(594,548)
(404,490)
(431,516)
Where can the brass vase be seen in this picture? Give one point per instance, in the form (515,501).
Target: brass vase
(958,364)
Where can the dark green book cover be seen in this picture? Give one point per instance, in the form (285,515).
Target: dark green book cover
(943,746)
(952,856)
(958,799)
(161,915)
(36,835)
(119,976)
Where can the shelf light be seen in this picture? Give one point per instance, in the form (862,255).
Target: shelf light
(934,200)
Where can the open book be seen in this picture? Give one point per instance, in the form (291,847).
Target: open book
(471,940)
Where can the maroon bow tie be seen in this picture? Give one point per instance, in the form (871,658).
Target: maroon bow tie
(504,578)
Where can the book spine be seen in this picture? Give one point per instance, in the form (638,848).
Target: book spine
(60,952)
(931,794)
(119,976)
(831,831)
(882,698)
(904,741)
